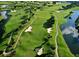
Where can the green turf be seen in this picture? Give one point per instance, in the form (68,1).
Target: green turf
(4,3)
(29,41)
(32,38)
(35,38)
(1,18)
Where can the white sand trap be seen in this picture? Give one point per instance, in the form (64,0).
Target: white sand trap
(29,29)
(49,30)
(13,10)
(7,53)
(40,51)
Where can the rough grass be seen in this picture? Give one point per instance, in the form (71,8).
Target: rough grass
(1,18)
(3,3)
(63,49)
(14,20)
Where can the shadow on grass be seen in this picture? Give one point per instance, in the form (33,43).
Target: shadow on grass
(49,53)
(49,23)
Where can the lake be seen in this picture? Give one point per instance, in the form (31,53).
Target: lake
(70,33)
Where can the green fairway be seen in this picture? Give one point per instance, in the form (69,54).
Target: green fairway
(38,33)
(34,14)
(14,19)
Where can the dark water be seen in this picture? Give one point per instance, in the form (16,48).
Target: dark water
(3,22)
(70,33)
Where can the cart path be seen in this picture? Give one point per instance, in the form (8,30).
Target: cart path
(56,37)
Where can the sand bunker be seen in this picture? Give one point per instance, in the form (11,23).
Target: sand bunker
(40,51)
(7,53)
(49,30)
(29,29)
(13,10)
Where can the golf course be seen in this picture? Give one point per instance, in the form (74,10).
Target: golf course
(39,29)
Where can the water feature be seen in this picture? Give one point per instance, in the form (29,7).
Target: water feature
(5,19)
(70,33)
(3,13)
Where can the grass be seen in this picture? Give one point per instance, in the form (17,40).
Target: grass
(1,18)
(35,38)
(62,46)
(3,3)
(29,41)
(12,24)
(14,19)
(63,49)
(32,38)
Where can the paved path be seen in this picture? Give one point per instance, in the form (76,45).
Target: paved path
(21,33)
(56,37)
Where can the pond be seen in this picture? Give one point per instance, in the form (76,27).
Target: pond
(5,19)
(4,14)
(70,33)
